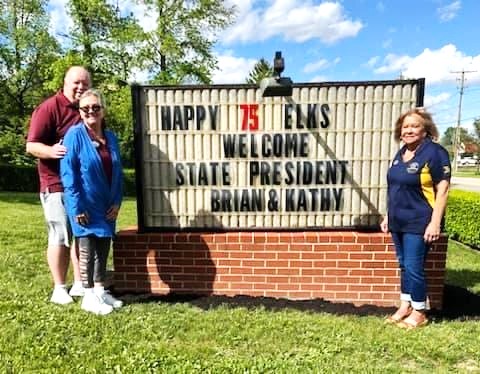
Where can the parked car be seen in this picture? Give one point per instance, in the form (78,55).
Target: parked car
(467,161)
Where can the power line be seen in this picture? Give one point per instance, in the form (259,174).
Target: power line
(459,117)
(454,122)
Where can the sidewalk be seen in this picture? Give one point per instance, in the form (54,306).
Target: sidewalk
(466,181)
(466,184)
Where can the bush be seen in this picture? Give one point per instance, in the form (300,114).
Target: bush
(129,180)
(25,179)
(18,178)
(461,221)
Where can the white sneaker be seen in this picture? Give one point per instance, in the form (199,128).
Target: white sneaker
(94,304)
(110,300)
(61,296)
(76,290)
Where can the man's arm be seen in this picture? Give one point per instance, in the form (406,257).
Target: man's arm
(42,131)
(41,150)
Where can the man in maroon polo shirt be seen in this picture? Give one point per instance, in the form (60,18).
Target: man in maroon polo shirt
(49,123)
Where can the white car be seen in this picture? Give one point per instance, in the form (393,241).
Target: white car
(467,161)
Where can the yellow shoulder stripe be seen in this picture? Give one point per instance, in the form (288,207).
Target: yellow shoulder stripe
(426,182)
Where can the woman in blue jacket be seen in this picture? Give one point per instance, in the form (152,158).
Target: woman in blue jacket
(92,177)
(418,183)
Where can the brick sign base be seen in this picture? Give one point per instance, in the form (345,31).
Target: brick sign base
(347,266)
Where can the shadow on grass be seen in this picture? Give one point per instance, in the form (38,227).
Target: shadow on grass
(269,303)
(459,304)
(463,277)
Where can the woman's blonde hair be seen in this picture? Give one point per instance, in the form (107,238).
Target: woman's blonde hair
(428,124)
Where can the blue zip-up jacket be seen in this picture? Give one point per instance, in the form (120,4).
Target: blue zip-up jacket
(86,186)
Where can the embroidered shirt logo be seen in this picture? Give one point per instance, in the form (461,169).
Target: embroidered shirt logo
(412,168)
(446,170)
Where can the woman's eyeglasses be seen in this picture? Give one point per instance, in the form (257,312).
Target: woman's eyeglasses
(94,108)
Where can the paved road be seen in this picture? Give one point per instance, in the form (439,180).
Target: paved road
(466,184)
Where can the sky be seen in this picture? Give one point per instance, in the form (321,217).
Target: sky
(352,40)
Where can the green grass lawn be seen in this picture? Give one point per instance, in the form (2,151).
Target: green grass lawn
(467,171)
(161,337)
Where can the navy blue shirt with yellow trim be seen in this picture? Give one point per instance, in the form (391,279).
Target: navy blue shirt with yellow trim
(411,187)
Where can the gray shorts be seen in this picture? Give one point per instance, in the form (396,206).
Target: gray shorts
(59,231)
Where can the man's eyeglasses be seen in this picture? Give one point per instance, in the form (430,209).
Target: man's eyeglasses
(94,108)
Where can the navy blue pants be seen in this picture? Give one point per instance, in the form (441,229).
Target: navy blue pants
(412,252)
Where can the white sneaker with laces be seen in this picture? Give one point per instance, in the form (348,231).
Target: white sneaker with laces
(61,296)
(76,290)
(110,300)
(94,304)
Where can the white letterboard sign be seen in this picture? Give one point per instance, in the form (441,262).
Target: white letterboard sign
(222,157)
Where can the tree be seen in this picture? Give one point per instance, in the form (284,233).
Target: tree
(26,52)
(179,50)
(262,69)
(476,133)
(470,141)
(106,41)
(108,44)
(119,119)
(448,138)
(476,129)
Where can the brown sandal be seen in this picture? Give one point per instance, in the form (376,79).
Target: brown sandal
(392,320)
(410,323)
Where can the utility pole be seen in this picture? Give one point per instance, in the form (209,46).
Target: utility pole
(456,138)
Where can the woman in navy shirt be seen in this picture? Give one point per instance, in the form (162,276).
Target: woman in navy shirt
(418,183)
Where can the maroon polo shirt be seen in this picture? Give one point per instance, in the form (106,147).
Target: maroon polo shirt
(49,123)
(103,152)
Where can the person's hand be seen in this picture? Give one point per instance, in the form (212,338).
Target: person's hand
(112,212)
(432,233)
(384,224)
(82,218)
(58,150)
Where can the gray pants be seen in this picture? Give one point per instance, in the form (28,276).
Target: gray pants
(93,259)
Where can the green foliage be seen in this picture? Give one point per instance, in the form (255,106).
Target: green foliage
(107,41)
(112,45)
(464,137)
(179,337)
(12,142)
(25,179)
(18,178)
(180,49)
(449,136)
(58,69)
(476,128)
(262,69)
(130,188)
(461,220)
(26,50)
(119,119)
